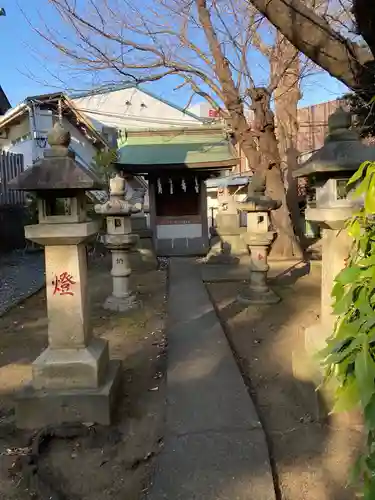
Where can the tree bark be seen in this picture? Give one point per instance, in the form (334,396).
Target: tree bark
(233,103)
(266,156)
(285,62)
(313,36)
(286,244)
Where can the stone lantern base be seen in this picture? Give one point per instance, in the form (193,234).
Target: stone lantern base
(121,304)
(250,296)
(37,408)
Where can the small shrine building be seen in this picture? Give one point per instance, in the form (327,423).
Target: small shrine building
(176,164)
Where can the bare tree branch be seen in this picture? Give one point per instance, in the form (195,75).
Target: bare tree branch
(218,48)
(313,36)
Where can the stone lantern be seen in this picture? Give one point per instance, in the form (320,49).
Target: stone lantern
(229,247)
(329,169)
(258,238)
(120,241)
(73,379)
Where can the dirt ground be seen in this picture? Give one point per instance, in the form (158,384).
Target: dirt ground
(87,462)
(311,459)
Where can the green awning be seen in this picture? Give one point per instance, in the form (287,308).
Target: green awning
(187,149)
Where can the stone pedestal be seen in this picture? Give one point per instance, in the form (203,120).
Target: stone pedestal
(37,408)
(331,205)
(258,291)
(258,238)
(120,241)
(122,298)
(73,379)
(336,245)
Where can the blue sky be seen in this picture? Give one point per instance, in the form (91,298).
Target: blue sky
(28,63)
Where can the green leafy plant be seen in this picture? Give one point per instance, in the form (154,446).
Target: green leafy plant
(102,164)
(349,357)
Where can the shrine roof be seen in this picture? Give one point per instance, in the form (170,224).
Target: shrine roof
(228,181)
(204,148)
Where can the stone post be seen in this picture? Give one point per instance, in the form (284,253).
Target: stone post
(120,241)
(258,238)
(336,245)
(330,168)
(73,379)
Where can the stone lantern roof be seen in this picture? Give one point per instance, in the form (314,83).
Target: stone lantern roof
(343,150)
(58,170)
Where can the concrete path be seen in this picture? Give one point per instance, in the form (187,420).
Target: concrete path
(215,447)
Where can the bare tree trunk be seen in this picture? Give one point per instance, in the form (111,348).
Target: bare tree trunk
(287,94)
(286,245)
(233,103)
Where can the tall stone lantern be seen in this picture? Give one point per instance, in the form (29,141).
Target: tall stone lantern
(258,238)
(73,379)
(329,170)
(120,241)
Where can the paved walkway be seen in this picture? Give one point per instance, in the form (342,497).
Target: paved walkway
(215,447)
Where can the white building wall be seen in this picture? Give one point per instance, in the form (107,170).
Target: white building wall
(29,138)
(19,130)
(43,121)
(84,150)
(132,109)
(19,141)
(25,148)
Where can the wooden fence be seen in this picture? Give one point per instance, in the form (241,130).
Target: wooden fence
(10,166)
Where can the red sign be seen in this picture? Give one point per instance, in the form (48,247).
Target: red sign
(63,284)
(213,113)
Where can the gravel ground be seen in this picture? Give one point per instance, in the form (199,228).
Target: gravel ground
(21,275)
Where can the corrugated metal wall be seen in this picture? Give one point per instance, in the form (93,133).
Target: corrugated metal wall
(313,126)
(10,166)
(312,130)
